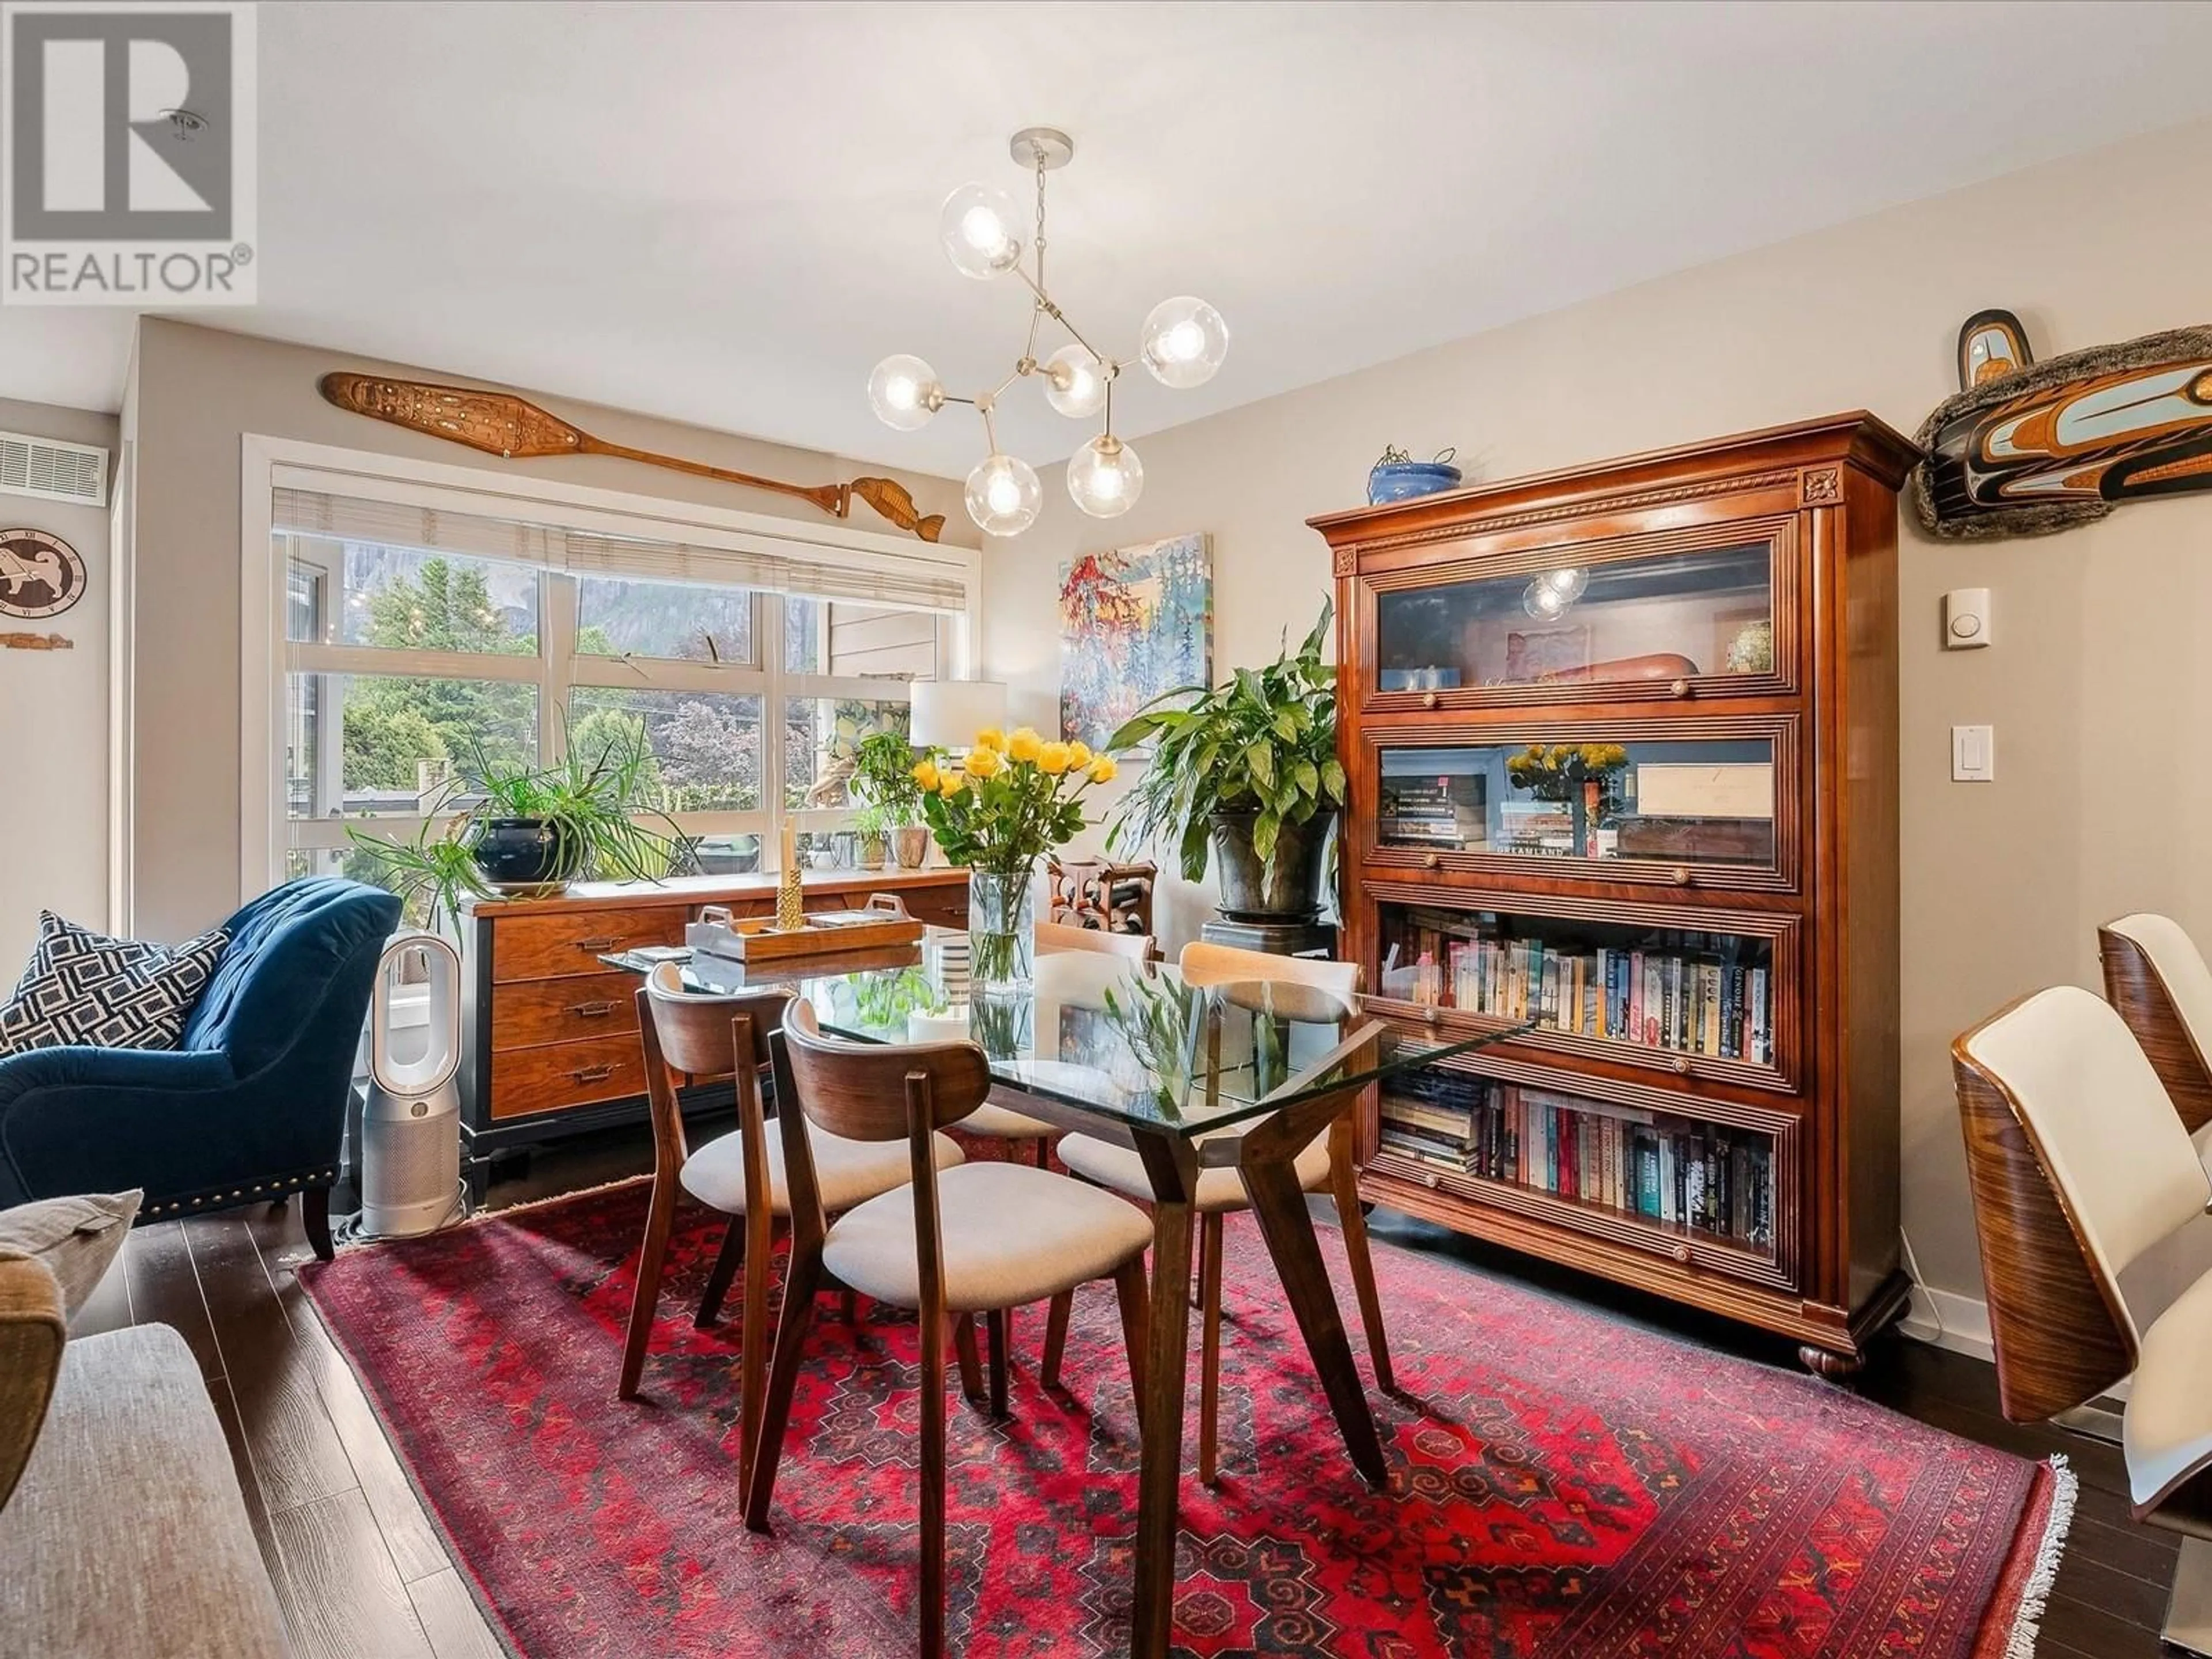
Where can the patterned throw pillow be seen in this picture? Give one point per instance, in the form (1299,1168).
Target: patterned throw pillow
(85,987)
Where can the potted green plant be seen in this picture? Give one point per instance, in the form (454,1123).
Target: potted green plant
(1246,772)
(871,824)
(502,829)
(882,777)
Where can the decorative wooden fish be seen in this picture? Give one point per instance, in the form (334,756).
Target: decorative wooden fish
(2027,448)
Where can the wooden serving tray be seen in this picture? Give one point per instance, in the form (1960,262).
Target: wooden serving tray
(757,938)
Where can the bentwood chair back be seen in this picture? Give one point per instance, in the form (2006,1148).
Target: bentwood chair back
(959,1241)
(2078,1166)
(1275,984)
(2158,979)
(1059,936)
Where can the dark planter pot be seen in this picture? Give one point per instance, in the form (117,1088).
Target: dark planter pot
(521,853)
(1291,892)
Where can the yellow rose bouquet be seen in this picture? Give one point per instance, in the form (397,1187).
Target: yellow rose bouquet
(1013,799)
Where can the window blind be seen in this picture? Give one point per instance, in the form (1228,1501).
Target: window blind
(763,562)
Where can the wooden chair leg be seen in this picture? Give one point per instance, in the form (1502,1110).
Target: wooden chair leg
(752,1343)
(848,1307)
(1055,1338)
(932,1478)
(1209,1356)
(315,1217)
(1351,1220)
(972,1367)
(727,1260)
(645,1299)
(1001,1337)
(1133,1294)
(801,1281)
(1198,1277)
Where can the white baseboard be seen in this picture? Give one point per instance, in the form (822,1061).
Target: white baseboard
(1945,1319)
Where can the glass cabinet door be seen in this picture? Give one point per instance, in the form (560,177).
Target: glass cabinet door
(1704,801)
(1649,619)
(1675,998)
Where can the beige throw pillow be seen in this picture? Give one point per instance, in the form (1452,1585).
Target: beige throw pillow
(77,1238)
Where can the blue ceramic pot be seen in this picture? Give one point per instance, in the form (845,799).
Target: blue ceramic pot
(525,852)
(1400,481)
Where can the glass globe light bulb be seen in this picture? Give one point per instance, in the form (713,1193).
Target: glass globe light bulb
(1004,496)
(1543,601)
(980,230)
(1569,583)
(905,392)
(1074,382)
(1184,342)
(1105,477)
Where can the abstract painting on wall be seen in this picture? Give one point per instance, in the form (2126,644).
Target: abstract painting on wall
(1134,622)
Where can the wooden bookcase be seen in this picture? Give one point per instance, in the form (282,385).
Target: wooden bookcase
(1702,644)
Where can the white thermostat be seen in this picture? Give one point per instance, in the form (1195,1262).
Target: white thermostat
(1966,618)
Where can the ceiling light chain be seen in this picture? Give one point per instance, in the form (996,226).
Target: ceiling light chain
(1183,343)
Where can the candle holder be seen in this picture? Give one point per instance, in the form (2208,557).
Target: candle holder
(790,903)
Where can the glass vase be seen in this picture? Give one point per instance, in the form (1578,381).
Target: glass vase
(1002,929)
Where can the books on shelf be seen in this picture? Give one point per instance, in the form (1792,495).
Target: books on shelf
(1688,992)
(1673,1170)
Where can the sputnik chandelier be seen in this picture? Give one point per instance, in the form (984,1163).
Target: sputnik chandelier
(1183,343)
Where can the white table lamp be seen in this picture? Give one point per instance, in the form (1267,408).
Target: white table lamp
(948,714)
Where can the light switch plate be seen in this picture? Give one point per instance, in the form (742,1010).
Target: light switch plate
(1973,754)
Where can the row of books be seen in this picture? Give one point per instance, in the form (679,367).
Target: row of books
(1667,1170)
(1690,993)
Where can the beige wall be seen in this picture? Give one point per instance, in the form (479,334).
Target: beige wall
(53,716)
(2101,681)
(196,391)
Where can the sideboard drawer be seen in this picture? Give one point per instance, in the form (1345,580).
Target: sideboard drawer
(544,1079)
(573,1010)
(556,946)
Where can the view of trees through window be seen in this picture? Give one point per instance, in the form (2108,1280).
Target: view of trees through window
(682,662)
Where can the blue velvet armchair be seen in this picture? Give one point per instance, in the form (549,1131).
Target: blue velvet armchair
(249,1107)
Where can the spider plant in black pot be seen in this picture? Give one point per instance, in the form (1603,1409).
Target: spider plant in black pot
(502,830)
(1245,772)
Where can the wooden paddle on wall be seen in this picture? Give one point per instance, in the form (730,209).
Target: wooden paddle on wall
(500,423)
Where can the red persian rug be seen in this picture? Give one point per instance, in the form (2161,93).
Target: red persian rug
(1561,1485)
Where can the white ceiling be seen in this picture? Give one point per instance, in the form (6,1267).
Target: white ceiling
(725,214)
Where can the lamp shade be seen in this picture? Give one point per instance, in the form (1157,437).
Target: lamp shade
(948,714)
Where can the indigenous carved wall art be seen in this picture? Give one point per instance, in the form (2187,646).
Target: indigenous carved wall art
(2027,448)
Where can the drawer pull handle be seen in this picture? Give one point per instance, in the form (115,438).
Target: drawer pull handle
(1428,699)
(597,944)
(1681,875)
(1679,689)
(593,1074)
(1431,1179)
(1681,1253)
(1430,861)
(1681,1068)
(590,1010)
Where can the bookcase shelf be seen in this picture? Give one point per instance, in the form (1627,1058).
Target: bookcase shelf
(1622,745)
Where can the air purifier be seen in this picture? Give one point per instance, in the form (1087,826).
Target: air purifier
(411,1122)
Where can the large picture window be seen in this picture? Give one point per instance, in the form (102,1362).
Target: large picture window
(420,643)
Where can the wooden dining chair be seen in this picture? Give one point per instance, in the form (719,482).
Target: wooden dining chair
(1061,936)
(741,1174)
(1326,1163)
(2158,981)
(2078,1166)
(959,1240)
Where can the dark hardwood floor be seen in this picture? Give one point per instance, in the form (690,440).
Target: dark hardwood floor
(361,1574)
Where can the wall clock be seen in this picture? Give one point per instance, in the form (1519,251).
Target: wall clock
(40,575)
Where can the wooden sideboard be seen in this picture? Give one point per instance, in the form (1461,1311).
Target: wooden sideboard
(553,1046)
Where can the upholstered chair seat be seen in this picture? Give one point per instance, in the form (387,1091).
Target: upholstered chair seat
(1012,1236)
(849,1171)
(1219,1191)
(995,1120)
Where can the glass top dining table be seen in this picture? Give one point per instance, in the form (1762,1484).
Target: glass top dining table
(1127,1044)
(1135,1053)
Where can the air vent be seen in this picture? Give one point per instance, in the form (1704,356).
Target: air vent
(51,471)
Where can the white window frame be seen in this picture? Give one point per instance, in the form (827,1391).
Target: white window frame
(266,832)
